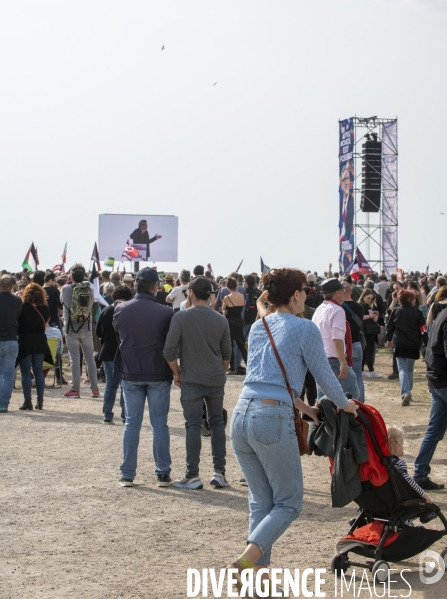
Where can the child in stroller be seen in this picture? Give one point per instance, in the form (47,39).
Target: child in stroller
(388,505)
(396,441)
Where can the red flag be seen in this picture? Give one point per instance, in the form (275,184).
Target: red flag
(129,251)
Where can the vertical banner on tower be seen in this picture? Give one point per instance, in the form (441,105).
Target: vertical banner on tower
(346,196)
(389,197)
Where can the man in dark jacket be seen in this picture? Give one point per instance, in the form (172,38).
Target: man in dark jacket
(10,310)
(109,344)
(436,361)
(142,325)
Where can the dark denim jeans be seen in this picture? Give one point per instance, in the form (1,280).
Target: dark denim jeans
(158,399)
(36,361)
(436,429)
(192,397)
(8,355)
(112,384)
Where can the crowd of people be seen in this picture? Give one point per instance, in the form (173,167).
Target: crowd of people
(142,333)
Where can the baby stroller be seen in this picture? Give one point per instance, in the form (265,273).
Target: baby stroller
(384,530)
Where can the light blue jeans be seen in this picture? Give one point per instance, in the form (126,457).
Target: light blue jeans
(436,429)
(349,384)
(158,399)
(262,435)
(405,367)
(8,355)
(357,359)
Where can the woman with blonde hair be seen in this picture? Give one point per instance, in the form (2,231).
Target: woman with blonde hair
(33,346)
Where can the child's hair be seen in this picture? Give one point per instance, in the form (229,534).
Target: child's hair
(395,434)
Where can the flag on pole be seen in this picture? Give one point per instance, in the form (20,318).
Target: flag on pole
(359,265)
(33,250)
(58,268)
(25,264)
(64,258)
(237,269)
(399,274)
(264,267)
(129,251)
(94,280)
(209,269)
(427,270)
(95,257)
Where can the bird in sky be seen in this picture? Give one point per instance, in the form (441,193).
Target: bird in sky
(215,84)
(162,48)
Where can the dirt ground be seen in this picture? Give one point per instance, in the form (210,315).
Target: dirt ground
(68,530)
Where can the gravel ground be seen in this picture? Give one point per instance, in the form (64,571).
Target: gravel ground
(68,530)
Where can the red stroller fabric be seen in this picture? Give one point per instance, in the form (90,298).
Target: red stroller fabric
(371,534)
(373,470)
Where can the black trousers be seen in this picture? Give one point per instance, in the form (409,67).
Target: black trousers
(237,334)
(309,389)
(369,353)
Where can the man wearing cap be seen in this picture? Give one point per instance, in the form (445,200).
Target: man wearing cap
(142,325)
(178,294)
(200,337)
(330,318)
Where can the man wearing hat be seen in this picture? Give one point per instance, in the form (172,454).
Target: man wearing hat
(169,283)
(178,294)
(200,337)
(142,325)
(330,318)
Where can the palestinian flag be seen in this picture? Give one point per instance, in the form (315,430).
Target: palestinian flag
(34,254)
(25,264)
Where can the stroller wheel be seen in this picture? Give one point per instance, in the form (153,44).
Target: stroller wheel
(339,563)
(444,554)
(381,571)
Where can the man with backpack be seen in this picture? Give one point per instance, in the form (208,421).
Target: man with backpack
(77,299)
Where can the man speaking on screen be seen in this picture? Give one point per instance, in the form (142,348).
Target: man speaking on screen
(141,236)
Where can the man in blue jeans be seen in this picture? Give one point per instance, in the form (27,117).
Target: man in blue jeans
(10,310)
(200,337)
(436,361)
(109,344)
(142,325)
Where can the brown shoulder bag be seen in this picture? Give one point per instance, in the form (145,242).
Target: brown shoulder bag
(301,426)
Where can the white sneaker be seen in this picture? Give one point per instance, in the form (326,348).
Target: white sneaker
(375,375)
(366,374)
(188,483)
(218,480)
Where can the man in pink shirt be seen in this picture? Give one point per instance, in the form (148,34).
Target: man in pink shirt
(330,318)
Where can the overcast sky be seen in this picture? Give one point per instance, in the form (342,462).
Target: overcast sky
(95,118)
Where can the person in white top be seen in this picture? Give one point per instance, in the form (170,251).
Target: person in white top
(330,319)
(178,294)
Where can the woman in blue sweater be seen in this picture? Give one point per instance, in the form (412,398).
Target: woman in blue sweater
(262,431)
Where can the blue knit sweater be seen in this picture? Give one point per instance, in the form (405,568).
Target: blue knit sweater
(300,346)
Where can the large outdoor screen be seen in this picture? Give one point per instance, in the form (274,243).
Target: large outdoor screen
(138,237)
